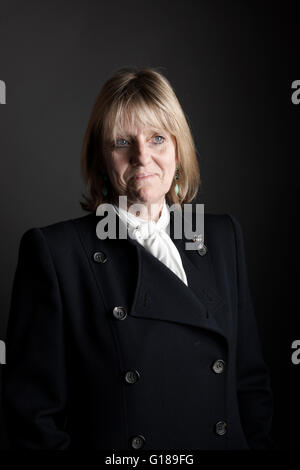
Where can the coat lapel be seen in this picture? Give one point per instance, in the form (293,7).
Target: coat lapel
(197,304)
(201,280)
(155,299)
(153,284)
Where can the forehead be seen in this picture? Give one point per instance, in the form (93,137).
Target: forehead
(139,130)
(134,120)
(138,121)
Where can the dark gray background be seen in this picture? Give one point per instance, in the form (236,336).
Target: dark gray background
(231,64)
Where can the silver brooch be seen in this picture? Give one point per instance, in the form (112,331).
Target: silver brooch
(201,248)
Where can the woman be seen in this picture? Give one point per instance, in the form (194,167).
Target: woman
(136,342)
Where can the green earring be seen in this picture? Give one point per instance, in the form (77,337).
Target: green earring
(176,189)
(104,187)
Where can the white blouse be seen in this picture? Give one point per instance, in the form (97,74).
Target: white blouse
(154,238)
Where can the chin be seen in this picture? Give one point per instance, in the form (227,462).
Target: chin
(148,197)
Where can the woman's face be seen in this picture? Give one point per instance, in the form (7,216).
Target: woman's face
(141,164)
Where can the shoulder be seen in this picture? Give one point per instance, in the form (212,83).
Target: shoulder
(60,233)
(224,237)
(221,225)
(218,226)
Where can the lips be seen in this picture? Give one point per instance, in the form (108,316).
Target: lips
(144,176)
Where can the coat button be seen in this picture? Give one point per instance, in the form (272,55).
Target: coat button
(132,376)
(203,250)
(99,257)
(138,441)
(221,428)
(119,313)
(218,366)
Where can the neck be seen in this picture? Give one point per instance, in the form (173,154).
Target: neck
(144,210)
(149,211)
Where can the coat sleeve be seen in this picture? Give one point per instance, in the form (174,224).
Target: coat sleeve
(253,381)
(34,379)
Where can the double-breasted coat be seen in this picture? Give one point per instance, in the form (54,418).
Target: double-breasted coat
(108,349)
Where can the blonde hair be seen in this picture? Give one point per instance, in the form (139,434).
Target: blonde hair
(137,96)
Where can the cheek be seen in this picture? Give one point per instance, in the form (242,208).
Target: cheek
(170,165)
(118,168)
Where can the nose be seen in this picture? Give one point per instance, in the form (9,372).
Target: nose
(141,154)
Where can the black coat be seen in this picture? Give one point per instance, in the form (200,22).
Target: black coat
(174,367)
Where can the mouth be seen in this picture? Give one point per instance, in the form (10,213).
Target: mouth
(144,176)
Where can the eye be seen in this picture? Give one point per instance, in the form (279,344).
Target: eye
(121,142)
(161,139)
